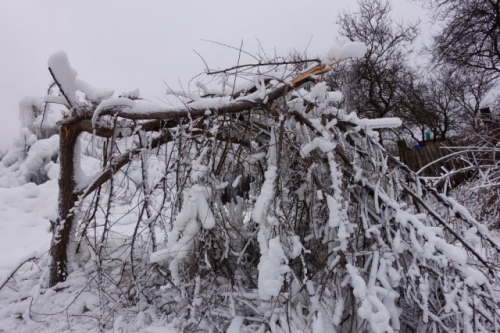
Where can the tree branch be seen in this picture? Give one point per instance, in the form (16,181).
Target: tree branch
(60,88)
(121,161)
(271,63)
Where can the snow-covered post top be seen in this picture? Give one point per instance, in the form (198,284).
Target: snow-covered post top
(66,78)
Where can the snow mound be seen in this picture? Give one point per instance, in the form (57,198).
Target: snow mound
(65,76)
(343,50)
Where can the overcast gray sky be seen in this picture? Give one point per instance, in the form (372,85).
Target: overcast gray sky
(124,44)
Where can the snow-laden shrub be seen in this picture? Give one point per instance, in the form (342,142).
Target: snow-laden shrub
(30,160)
(32,156)
(29,109)
(336,235)
(18,150)
(41,157)
(38,118)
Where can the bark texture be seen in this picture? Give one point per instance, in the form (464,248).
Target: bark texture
(62,227)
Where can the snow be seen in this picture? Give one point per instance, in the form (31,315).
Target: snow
(29,109)
(471,236)
(66,77)
(146,107)
(45,125)
(335,96)
(236,181)
(210,103)
(25,212)
(92,93)
(402,241)
(189,95)
(368,124)
(272,267)
(133,94)
(19,148)
(318,92)
(195,212)
(344,49)
(377,313)
(158,329)
(380,123)
(64,74)
(114,102)
(259,212)
(39,155)
(235,326)
(252,159)
(55,99)
(334,207)
(324,144)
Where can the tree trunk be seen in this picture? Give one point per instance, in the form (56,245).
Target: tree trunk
(63,226)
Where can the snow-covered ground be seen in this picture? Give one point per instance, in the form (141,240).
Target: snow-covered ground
(25,212)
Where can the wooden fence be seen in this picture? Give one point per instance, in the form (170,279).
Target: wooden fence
(430,151)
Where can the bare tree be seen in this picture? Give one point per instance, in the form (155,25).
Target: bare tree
(445,112)
(473,91)
(471,35)
(374,84)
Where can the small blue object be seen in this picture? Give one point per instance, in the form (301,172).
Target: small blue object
(417,147)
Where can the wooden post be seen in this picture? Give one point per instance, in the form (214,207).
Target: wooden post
(63,226)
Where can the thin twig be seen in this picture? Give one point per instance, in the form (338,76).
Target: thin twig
(202,59)
(46,105)
(60,88)
(236,74)
(270,63)
(15,271)
(230,47)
